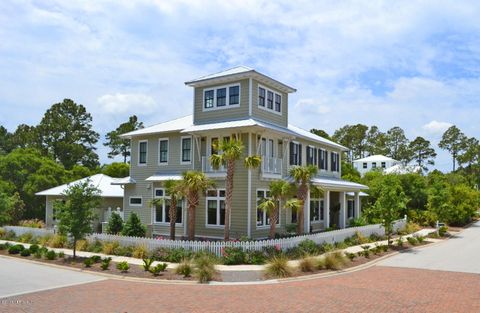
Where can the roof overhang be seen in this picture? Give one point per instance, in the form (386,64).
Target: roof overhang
(123,181)
(164,177)
(337,184)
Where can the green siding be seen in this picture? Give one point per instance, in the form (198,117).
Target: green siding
(268,115)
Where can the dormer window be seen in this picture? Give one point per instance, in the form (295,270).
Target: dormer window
(278,103)
(261,96)
(269,100)
(221,97)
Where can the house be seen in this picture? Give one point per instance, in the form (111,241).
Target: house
(254,107)
(112,199)
(374,162)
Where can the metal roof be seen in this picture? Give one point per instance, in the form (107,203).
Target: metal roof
(100,181)
(375,158)
(164,177)
(337,183)
(169,126)
(123,181)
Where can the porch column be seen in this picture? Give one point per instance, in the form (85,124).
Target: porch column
(306,215)
(327,209)
(343,201)
(357,204)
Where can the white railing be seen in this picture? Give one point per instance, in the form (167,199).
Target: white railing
(272,166)
(207,167)
(217,247)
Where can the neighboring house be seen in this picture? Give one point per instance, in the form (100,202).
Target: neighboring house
(112,199)
(253,107)
(374,162)
(403,169)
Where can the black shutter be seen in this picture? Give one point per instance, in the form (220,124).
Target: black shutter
(319,159)
(299,154)
(291,153)
(314,155)
(308,155)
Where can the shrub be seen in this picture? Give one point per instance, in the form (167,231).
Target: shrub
(15,249)
(376,237)
(172,255)
(184,268)
(400,241)
(360,221)
(420,239)
(58,241)
(308,246)
(377,249)
(278,267)
(32,223)
(134,227)
(205,268)
(412,240)
(95,246)
(442,231)
(27,237)
(25,252)
(147,263)
(321,263)
(8,235)
(96,258)
(51,255)
(109,247)
(307,264)
(366,251)
(326,247)
(3,246)
(409,228)
(34,248)
(156,270)
(2,232)
(359,238)
(255,257)
(335,261)
(233,256)
(291,228)
(43,241)
(88,262)
(123,266)
(124,251)
(82,245)
(341,245)
(140,251)
(105,263)
(61,254)
(38,254)
(115,224)
(350,256)
(384,248)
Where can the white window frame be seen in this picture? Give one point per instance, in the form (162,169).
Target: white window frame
(146,153)
(181,150)
(227,100)
(135,204)
(265,215)
(298,144)
(313,150)
(337,169)
(218,199)
(353,208)
(168,151)
(265,108)
(165,209)
(323,151)
(320,215)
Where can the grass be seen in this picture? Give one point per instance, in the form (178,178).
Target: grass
(278,267)
(307,264)
(204,268)
(184,268)
(335,261)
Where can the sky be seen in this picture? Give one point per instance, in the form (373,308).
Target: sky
(413,64)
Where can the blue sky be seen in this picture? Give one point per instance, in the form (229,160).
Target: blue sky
(415,64)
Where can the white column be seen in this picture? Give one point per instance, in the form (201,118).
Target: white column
(306,216)
(357,204)
(327,208)
(343,201)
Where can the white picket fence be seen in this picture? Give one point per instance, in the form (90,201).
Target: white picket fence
(217,247)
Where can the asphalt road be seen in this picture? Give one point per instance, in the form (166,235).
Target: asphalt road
(19,277)
(459,254)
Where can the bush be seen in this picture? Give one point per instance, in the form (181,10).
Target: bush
(25,252)
(172,255)
(412,240)
(32,223)
(409,228)
(38,254)
(15,249)
(82,245)
(308,246)
(307,264)
(134,227)
(205,268)
(115,224)
(109,247)
(95,246)
(3,246)
(147,263)
(26,238)
(184,268)
(43,240)
(34,248)
(351,256)
(96,258)
(233,256)
(291,228)
(61,254)
(58,241)
(335,261)
(255,257)
(442,231)
(123,267)
(105,263)
(360,221)
(341,245)
(88,262)
(366,251)
(420,239)
(156,270)
(400,241)
(7,235)
(51,255)
(321,263)
(124,251)
(2,232)
(384,248)
(326,247)
(140,251)
(278,267)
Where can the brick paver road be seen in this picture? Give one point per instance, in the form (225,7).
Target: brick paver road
(378,289)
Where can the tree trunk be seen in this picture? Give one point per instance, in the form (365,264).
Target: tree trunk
(125,157)
(192,204)
(273,223)
(454,157)
(228,197)
(173,216)
(74,247)
(302,191)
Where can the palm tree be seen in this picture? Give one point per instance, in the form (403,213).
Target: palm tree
(231,150)
(302,176)
(173,188)
(279,191)
(192,184)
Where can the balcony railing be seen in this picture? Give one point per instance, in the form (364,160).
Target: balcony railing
(207,167)
(272,166)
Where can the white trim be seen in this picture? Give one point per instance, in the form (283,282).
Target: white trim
(250,88)
(181,150)
(265,216)
(168,150)
(136,204)
(265,108)
(249,182)
(218,199)
(164,209)
(227,97)
(146,154)
(321,217)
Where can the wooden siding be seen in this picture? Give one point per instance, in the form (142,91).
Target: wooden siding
(268,115)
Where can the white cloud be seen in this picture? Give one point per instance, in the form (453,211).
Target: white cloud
(125,103)
(311,106)
(436,127)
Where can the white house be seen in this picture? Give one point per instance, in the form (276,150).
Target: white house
(374,162)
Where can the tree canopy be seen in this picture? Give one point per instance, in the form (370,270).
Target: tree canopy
(121,146)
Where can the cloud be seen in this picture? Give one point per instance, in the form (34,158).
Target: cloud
(436,127)
(311,106)
(125,103)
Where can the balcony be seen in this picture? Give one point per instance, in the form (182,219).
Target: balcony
(210,171)
(272,167)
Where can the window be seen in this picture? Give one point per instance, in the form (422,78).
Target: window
(384,165)
(365,165)
(295,153)
(316,210)
(142,152)
(214,146)
(350,209)
(208,99)
(374,164)
(163,151)
(322,159)
(221,97)
(162,210)
(186,150)
(335,167)
(261,96)
(278,103)
(262,216)
(136,201)
(270,100)
(216,207)
(234,97)
(311,156)
(271,148)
